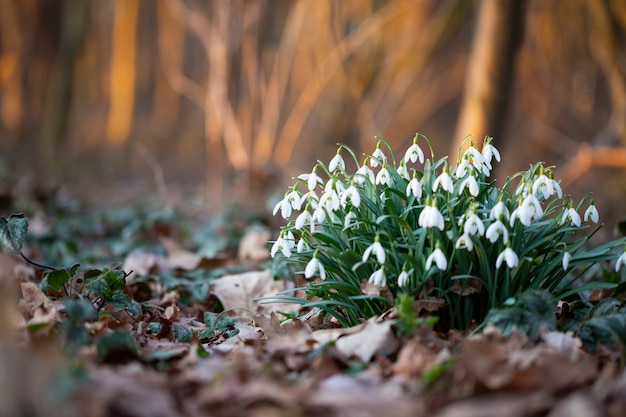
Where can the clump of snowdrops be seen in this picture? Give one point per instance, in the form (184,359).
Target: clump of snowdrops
(447,235)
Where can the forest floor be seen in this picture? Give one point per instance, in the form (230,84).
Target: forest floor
(155,313)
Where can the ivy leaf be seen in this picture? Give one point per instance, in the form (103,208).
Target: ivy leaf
(218,324)
(12,233)
(181,333)
(532,312)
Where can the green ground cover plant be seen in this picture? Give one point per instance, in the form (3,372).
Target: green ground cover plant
(420,227)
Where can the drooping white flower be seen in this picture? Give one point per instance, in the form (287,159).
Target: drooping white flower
(620,261)
(302,246)
(557,187)
(499,211)
(533,206)
(319,215)
(402,171)
(431,217)
(439,258)
(489,151)
(348,221)
(414,153)
(285,208)
(336,162)
(477,160)
(403,278)
(464,242)
(281,244)
(495,230)
(353,194)
(543,185)
(474,225)
(378,157)
(378,277)
(508,256)
(471,184)
(314,266)
(363,174)
(312,179)
(566,258)
(414,187)
(592,213)
(463,168)
(573,216)
(330,200)
(295,200)
(383,176)
(377,249)
(304,218)
(444,181)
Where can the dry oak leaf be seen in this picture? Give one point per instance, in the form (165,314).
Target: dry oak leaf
(375,337)
(238,291)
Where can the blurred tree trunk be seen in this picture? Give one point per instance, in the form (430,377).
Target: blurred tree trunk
(122,70)
(497,37)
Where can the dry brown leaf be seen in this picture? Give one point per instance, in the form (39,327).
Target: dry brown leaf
(238,291)
(253,245)
(179,257)
(142,263)
(415,357)
(375,337)
(499,363)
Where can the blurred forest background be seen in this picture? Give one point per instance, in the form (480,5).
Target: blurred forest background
(230,99)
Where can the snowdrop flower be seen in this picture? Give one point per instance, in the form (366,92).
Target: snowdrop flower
(430,217)
(477,159)
(364,173)
(378,157)
(489,151)
(544,185)
(499,211)
(403,278)
(294,200)
(592,212)
(378,277)
(620,261)
(495,230)
(414,153)
(312,179)
(302,246)
(319,215)
(402,171)
(522,213)
(533,206)
(573,216)
(508,256)
(463,168)
(444,181)
(414,187)
(566,258)
(353,194)
(285,208)
(349,220)
(383,176)
(282,245)
(304,218)
(474,225)
(377,249)
(330,200)
(313,266)
(471,184)
(336,162)
(556,186)
(439,258)
(464,242)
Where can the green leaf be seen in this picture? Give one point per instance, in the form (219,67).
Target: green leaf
(181,333)
(57,279)
(216,324)
(154,327)
(79,311)
(12,233)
